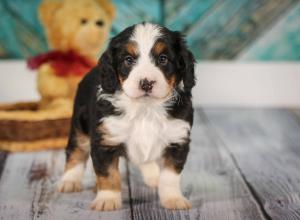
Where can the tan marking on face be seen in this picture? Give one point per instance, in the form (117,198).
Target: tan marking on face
(106,138)
(131,48)
(171,81)
(113,180)
(121,81)
(159,47)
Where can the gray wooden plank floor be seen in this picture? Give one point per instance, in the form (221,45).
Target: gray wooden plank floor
(266,147)
(243,164)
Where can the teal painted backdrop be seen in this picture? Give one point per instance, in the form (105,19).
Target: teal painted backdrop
(215,29)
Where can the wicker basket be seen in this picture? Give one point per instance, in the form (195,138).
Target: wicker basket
(24,127)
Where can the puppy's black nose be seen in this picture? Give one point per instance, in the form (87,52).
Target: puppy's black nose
(146,85)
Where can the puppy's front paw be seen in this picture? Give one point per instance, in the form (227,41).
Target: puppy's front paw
(106,204)
(107,200)
(71,180)
(69,186)
(177,202)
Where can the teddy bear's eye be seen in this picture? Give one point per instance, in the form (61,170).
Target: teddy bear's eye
(99,23)
(83,21)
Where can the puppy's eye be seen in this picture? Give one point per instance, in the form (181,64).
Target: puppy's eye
(83,21)
(99,23)
(162,59)
(129,61)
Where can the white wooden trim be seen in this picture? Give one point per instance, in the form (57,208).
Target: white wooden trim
(254,84)
(240,84)
(17,82)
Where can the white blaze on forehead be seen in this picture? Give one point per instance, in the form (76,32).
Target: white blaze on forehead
(145,36)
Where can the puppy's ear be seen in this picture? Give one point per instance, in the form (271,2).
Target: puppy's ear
(186,62)
(108,74)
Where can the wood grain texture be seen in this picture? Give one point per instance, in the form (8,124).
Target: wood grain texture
(131,12)
(28,190)
(232,25)
(22,34)
(209,180)
(215,29)
(283,46)
(243,164)
(182,15)
(266,148)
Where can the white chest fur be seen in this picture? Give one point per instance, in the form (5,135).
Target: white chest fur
(144,127)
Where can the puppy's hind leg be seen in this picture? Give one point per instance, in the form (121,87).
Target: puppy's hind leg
(77,154)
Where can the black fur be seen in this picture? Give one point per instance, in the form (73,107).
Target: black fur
(183,58)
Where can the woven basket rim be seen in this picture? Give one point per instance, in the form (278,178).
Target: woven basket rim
(30,112)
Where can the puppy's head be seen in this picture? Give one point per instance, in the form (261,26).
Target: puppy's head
(146,60)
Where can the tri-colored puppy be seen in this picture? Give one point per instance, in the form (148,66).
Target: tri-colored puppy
(136,103)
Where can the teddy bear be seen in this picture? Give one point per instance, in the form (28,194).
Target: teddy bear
(76,31)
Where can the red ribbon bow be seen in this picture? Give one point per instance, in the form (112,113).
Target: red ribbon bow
(63,63)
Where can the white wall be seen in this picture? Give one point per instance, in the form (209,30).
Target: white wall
(17,83)
(218,83)
(265,84)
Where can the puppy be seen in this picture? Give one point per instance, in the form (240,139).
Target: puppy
(135,103)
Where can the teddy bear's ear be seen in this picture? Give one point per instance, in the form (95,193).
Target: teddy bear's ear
(47,9)
(108,7)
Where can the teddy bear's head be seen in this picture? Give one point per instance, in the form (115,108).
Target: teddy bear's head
(79,25)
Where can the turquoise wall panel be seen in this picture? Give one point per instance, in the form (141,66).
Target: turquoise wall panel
(130,12)
(215,29)
(282,42)
(21,34)
(231,25)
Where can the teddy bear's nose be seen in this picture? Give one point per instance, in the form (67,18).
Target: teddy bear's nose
(83,21)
